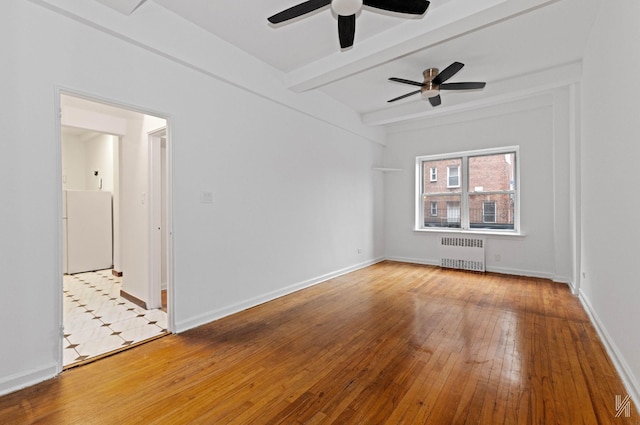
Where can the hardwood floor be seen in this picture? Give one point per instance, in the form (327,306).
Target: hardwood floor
(390,344)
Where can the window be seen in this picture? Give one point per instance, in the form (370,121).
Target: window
(480,192)
(434,174)
(434,209)
(453,176)
(453,213)
(489,211)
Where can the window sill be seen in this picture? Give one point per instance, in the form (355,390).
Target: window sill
(472,232)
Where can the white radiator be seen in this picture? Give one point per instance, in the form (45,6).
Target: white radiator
(464,253)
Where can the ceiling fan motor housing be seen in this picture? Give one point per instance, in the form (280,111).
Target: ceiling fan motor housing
(429,89)
(346,7)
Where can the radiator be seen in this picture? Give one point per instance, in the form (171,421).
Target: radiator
(464,253)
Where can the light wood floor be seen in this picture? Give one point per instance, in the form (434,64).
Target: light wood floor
(390,344)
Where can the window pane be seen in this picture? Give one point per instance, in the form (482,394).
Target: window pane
(489,212)
(434,174)
(434,209)
(494,211)
(440,185)
(488,173)
(447,209)
(453,173)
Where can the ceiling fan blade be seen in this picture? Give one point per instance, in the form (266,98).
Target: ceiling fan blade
(447,73)
(403,96)
(435,100)
(402,80)
(298,10)
(462,86)
(346,30)
(413,7)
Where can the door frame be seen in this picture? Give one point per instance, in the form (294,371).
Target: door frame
(59,91)
(156,229)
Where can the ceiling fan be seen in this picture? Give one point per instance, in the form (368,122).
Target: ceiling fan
(434,81)
(346,11)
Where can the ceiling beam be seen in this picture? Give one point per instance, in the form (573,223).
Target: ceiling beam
(123,6)
(441,24)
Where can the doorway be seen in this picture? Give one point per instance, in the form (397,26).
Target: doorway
(118,302)
(158,237)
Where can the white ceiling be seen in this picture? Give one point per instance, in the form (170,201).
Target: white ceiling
(498,40)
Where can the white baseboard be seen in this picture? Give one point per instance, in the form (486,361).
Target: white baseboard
(22,380)
(269,296)
(630,382)
(492,269)
(414,261)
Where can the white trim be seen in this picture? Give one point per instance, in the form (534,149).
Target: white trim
(575,186)
(629,381)
(22,380)
(269,296)
(59,265)
(509,233)
(154,209)
(423,261)
(501,270)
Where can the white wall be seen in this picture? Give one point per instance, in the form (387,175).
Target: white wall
(610,154)
(100,158)
(544,250)
(74,165)
(134,205)
(81,156)
(294,196)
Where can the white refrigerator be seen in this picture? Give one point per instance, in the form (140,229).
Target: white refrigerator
(88,231)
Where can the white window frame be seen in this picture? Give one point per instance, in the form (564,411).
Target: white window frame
(433,174)
(463,176)
(449,185)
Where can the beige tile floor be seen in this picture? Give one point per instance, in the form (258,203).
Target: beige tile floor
(97,320)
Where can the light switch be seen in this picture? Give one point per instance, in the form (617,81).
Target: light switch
(206,197)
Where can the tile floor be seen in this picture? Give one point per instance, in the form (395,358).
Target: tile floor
(97,320)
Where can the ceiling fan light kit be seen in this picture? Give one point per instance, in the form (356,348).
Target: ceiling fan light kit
(346,7)
(347,10)
(428,92)
(434,81)
(429,89)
